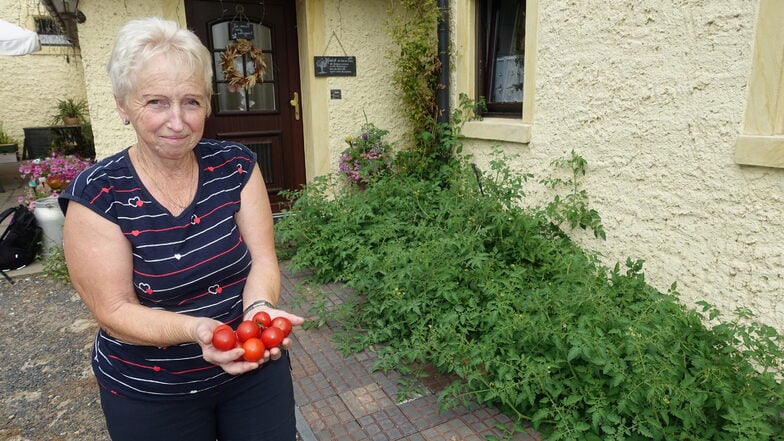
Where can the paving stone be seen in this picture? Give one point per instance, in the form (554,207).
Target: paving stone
(326,413)
(387,424)
(424,412)
(414,437)
(452,430)
(366,399)
(346,377)
(350,431)
(302,363)
(390,383)
(312,388)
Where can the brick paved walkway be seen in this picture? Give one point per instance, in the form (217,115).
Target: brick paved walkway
(339,398)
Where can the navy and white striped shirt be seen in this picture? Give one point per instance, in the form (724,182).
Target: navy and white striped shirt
(195,263)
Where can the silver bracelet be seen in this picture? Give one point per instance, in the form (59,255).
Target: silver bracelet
(256,304)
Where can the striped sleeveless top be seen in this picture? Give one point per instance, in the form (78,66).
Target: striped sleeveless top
(195,263)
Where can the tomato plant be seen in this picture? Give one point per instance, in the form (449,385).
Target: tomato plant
(263,319)
(247,329)
(272,337)
(283,324)
(254,349)
(224,339)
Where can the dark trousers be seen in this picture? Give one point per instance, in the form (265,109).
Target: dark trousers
(257,407)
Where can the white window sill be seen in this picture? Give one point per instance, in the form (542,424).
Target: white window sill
(763,151)
(498,129)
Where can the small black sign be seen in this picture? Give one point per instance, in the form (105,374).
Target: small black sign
(335,66)
(241,29)
(335,94)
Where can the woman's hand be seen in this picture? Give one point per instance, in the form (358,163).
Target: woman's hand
(295,320)
(230,361)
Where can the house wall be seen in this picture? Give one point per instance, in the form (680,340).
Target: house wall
(652,95)
(33,83)
(357,28)
(97,35)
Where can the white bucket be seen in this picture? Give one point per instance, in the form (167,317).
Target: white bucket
(50,218)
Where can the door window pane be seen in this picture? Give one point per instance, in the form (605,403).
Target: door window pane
(260,97)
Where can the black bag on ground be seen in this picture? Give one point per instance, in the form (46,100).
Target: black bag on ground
(21,240)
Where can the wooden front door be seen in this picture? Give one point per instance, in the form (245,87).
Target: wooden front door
(266,116)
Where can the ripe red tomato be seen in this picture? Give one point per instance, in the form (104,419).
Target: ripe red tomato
(263,319)
(283,324)
(272,337)
(254,349)
(247,329)
(222,326)
(224,339)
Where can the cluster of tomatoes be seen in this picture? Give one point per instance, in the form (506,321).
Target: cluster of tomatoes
(254,336)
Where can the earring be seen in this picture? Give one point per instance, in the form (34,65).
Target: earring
(126,122)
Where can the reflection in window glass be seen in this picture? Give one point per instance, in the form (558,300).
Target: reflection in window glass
(260,97)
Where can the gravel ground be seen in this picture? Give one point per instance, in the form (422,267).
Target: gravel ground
(47,386)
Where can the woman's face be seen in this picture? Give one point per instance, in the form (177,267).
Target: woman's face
(167,108)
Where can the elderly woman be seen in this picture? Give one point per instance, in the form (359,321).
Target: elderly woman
(166,240)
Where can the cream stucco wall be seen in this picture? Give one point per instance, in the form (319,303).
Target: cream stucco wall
(652,95)
(33,83)
(96,35)
(355,28)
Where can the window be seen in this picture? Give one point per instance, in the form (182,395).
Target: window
(495,58)
(49,34)
(761,141)
(500,55)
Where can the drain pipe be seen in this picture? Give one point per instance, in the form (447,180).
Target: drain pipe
(442,95)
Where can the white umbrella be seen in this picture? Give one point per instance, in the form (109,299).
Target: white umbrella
(15,40)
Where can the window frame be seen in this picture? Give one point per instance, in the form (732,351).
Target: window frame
(486,37)
(516,130)
(761,141)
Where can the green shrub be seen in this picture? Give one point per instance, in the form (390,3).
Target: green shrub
(459,274)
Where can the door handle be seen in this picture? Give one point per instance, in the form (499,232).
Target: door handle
(295,104)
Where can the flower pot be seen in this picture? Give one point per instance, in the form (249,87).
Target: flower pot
(8,153)
(50,218)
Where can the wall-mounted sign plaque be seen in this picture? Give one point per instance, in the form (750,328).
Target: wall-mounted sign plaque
(241,29)
(335,66)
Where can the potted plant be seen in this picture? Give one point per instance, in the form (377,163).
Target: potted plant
(70,112)
(9,147)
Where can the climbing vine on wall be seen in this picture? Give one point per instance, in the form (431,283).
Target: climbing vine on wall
(417,65)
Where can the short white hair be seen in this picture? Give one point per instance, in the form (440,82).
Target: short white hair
(141,40)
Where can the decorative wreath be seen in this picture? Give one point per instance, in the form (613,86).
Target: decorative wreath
(236,49)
